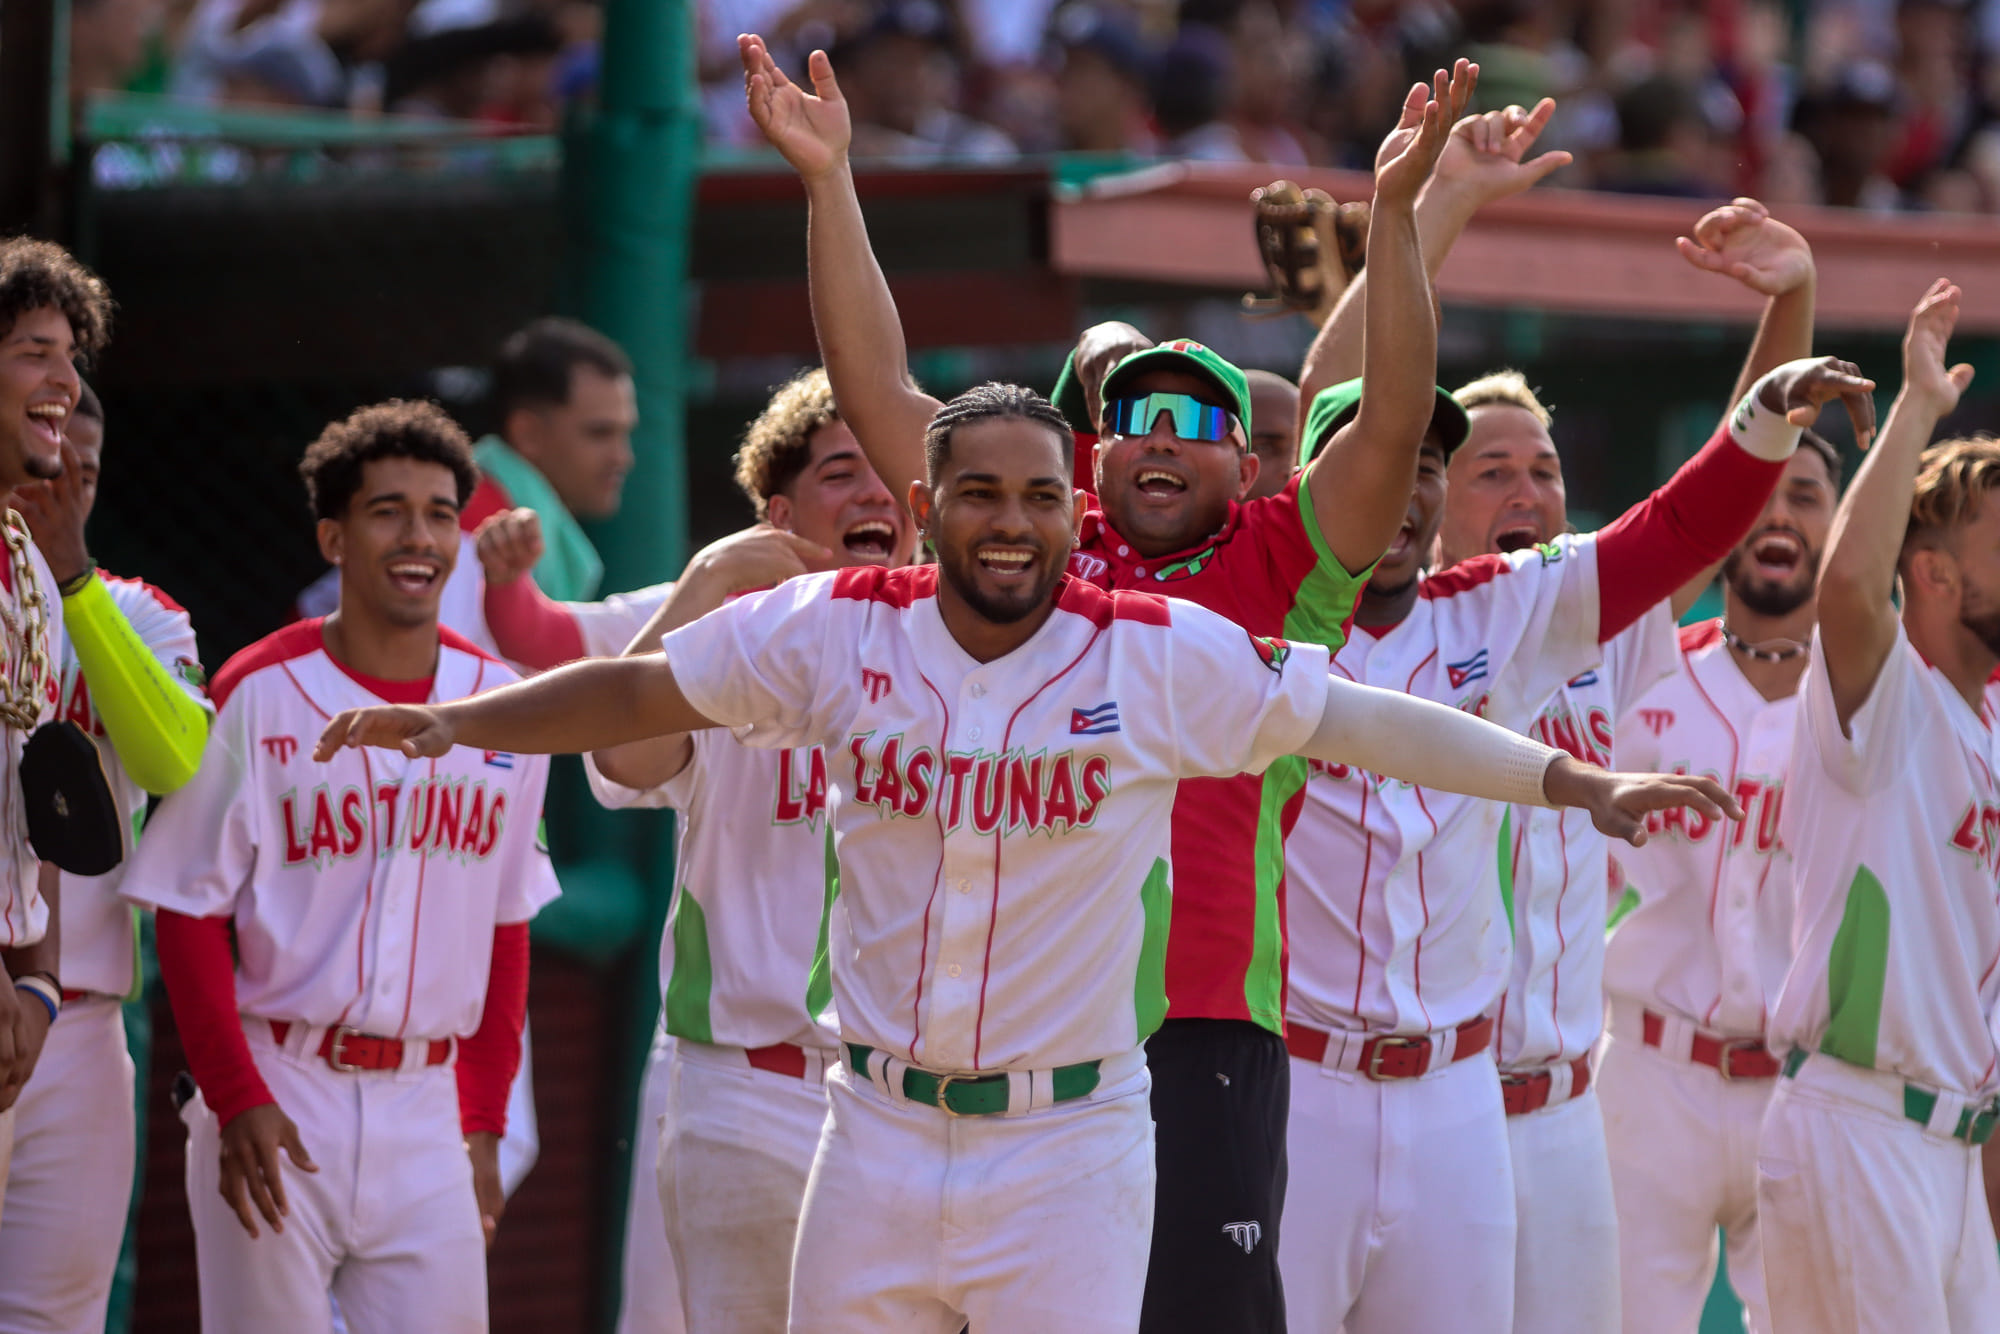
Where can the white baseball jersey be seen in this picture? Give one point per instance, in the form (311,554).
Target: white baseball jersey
(1895,836)
(1002,828)
(1554,863)
(99,946)
(365,890)
(756,873)
(611,623)
(24,913)
(1396,919)
(1711,935)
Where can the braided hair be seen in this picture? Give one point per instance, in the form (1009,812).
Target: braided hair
(990,401)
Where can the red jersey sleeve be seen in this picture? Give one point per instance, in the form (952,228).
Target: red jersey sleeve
(488,1059)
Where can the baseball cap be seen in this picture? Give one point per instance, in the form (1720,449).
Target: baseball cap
(1335,407)
(1184,354)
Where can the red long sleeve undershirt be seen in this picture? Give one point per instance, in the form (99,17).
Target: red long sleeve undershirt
(488,1059)
(1671,536)
(200,974)
(529,628)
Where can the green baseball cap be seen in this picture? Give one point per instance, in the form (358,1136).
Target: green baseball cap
(1183,354)
(1335,407)
(1068,398)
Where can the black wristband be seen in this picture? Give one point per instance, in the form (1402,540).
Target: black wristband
(76,583)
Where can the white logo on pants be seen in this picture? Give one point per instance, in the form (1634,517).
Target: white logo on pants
(1246,1235)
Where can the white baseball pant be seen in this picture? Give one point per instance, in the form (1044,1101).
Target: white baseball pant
(1683,1144)
(917,1221)
(1871,1221)
(1399,1214)
(736,1147)
(388,1225)
(1566,1227)
(69,1186)
(650,1301)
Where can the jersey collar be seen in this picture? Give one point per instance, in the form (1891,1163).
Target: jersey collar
(1126,566)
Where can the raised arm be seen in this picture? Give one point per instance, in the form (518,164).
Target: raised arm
(860,334)
(1359,484)
(1486,159)
(588,705)
(1857,621)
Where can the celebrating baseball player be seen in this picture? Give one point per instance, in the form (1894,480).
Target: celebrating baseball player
(129,676)
(346,946)
(1172,470)
(1869,1195)
(1402,931)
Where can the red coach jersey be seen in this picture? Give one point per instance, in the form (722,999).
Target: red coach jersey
(1269,570)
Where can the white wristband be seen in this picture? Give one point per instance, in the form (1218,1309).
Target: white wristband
(1760,432)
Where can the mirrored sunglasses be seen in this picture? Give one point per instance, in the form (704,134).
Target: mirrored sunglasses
(1193,419)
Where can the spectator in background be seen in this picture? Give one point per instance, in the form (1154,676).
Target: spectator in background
(501,72)
(1851,125)
(901,77)
(1102,72)
(1192,86)
(107,43)
(1264,76)
(1665,142)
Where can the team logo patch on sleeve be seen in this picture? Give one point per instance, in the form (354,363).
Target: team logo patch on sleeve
(1095,721)
(1272,650)
(498,759)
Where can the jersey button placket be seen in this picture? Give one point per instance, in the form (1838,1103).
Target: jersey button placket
(954,1013)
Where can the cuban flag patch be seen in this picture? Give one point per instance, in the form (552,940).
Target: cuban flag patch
(1472,669)
(1589,678)
(1094,722)
(498,759)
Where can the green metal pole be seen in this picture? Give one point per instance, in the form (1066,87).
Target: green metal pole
(629,186)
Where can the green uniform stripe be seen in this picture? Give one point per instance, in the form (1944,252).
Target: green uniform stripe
(819,982)
(693,977)
(1505,859)
(1857,973)
(1324,602)
(1264,981)
(1627,903)
(1149,985)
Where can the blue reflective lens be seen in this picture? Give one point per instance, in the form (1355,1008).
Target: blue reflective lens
(1193,419)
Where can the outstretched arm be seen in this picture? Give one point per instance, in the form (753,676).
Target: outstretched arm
(1857,622)
(860,334)
(587,705)
(1359,484)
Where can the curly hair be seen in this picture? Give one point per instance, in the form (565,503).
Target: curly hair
(1953,478)
(397,429)
(778,444)
(35,275)
(991,401)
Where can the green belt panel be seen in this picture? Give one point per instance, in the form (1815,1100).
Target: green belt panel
(1975,1125)
(975,1095)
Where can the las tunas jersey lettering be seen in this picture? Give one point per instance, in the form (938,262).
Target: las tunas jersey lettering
(1894,829)
(1709,935)
(755,877)
(24,913)
(1553,863)
(1269,570)
(99,946)
(364,891)
(1003,829)
(1397,920)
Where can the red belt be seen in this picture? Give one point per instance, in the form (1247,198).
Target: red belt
(348,1050)
(1528,1091)
(1392,1055)
(780,1058)
(72,994)
(1732,1058)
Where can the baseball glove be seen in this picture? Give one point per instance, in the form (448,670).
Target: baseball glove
(1311,248)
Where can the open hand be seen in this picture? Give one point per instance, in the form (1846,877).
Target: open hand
(1924,345)
(1406,157)
(1487,156)
(251,1173)
(1799,389)
(415,730)
(1743,241)
(509,544)
(811,131)
(1619,802)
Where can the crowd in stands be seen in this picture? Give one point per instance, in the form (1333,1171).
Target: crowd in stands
(1876,104)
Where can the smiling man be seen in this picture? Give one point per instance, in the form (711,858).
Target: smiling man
(346,949)
(1009,740)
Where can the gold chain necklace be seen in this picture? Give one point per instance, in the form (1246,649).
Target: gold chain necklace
(26,624)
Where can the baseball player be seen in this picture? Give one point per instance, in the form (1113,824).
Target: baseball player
(369,1023)
(129,676)
(1172,470)
(1869,1197)
(1504,490)
(54,313)
(986,1154)
(1401,929)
